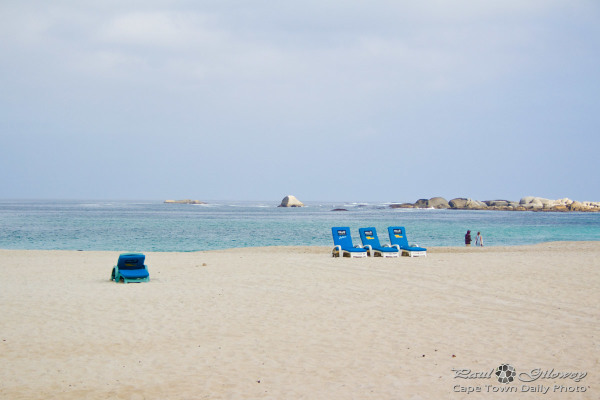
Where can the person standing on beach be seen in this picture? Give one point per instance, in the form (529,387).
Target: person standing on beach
(479,240)
(468,239)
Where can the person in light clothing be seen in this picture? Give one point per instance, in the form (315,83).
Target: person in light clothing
(479,240)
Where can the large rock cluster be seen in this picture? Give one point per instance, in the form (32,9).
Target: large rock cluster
(529,203)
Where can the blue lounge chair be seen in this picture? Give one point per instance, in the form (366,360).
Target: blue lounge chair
(399,240)
(343,246)
(130,268)
(370,241)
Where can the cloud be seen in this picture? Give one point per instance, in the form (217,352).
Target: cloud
(434,47)
(157,29)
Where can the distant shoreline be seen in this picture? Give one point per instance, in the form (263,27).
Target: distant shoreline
(529,203)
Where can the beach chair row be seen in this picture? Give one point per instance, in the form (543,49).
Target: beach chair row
(343,246)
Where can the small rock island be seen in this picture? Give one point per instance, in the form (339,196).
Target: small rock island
(185,201)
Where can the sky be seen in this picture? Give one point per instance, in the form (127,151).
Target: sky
(339,100)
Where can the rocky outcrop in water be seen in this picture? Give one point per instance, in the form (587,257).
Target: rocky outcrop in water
(291,201)
(528,203)
(434,202)
(467,204)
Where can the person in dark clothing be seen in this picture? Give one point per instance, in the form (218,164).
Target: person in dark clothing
(468,238)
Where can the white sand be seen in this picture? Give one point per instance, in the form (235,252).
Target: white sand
(294,323)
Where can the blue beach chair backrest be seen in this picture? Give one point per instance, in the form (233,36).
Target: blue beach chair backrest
(341,237)
(398,236)
(131,261)
(368,236)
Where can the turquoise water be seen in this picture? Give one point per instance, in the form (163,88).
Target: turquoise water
(154,226)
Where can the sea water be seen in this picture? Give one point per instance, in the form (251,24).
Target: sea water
(155,226)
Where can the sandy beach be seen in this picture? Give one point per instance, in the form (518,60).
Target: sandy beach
(294,323)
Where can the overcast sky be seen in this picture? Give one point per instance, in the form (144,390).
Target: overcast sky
(326,100)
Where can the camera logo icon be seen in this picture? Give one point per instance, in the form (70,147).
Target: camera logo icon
(505,373)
